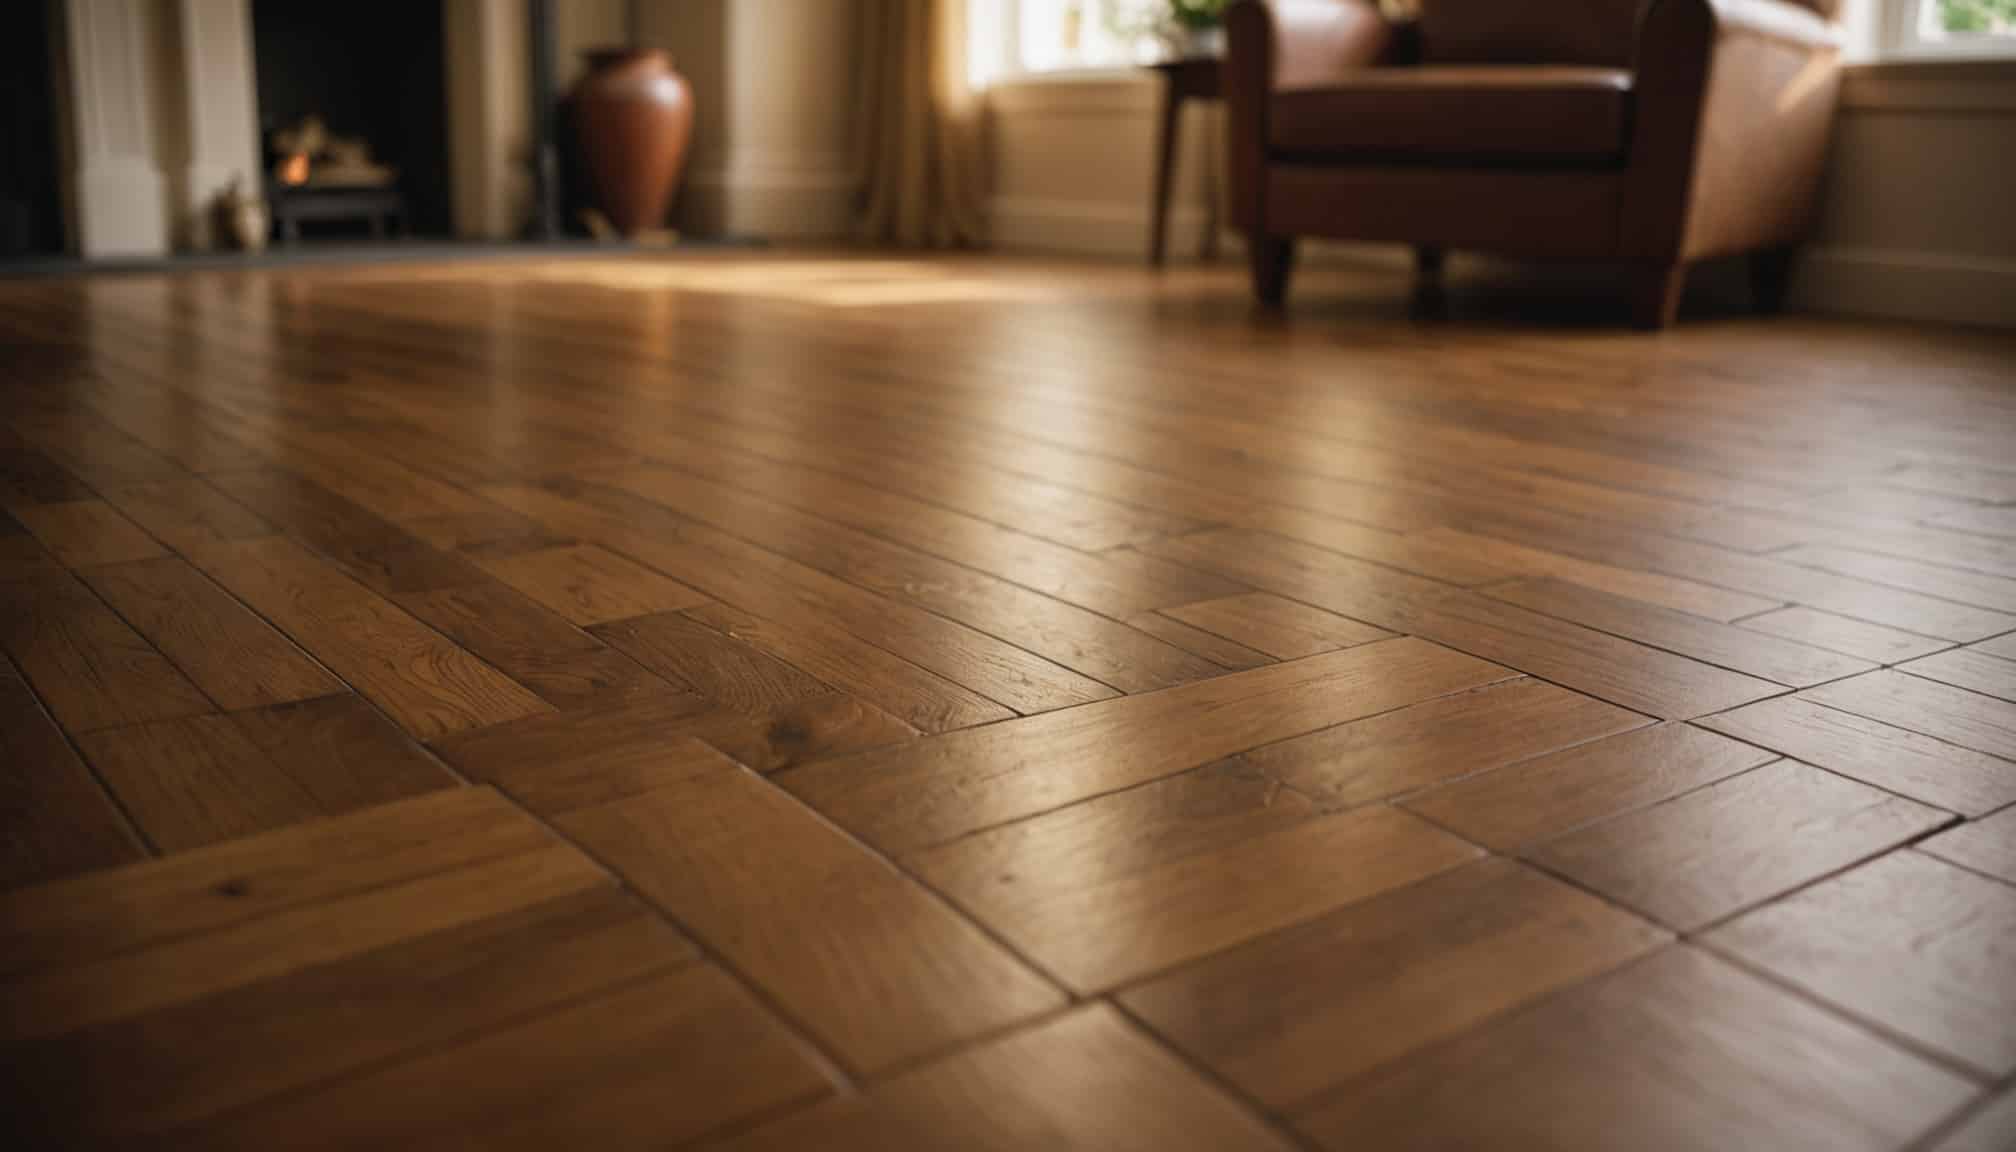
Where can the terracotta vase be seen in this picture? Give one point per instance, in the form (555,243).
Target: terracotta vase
(633,117)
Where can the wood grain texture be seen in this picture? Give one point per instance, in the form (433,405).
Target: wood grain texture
(90,668)
(236,658)
(1766,657)
(58,819)
(1152,650)
(934,790)
(1871,642)
(591,586)
(1082,1081)
(1607,667)
(97,916)
(186,1066)
(1281,628)
(1423,744)
(1987,846)
(1914,946)
(1954,715)
(1117,888)
(642,1066)
(1544,797)
(1289,1016)
(1969,668)
(1698,858)
(194,781)
(85,532)
(1677,1052)
(867,959)
(1946,775)
(428,685)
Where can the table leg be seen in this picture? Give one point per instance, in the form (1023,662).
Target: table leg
(1172,110)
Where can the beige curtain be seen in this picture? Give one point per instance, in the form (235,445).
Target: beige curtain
(921,133)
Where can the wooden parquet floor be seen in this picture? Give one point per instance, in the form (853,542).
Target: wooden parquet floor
(800,701)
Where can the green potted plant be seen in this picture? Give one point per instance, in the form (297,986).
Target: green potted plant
(1197,27)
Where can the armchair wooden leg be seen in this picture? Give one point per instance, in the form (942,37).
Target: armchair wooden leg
(1428,262)
(1655,302)
(1272,259)
(1770,279)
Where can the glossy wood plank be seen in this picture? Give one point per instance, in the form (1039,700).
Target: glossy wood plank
(236,658)
(1281,628)
(1954,715)
(601,737)
(719,667)
(343,752)
(1607,667)
(1766,657)
(1087,1080)
(1916,947)
(1065,633)
(1871,642)
(536,648)
(373,551)
(192,1063)
(934,790)
(1672,592)
(1975,588)
(1096,893)
(194,781)
(1418,746)
(1542,798)
(85,532)
(1987,846)
(817,727)
(1291,1015)
(59,819)
(87,665)
(28,478)
(100,915)
(591,586)
(1969,668)
(185,512)
(643,1066)
(1946,775)
(1691,861)
(759,582)
(1678,1052)
(1220,651)
(58,1000)
(871,963)
(425,683)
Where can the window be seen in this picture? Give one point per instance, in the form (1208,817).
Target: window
(1950,27)
(1020,37)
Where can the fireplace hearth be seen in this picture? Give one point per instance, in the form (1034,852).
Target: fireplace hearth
(353,117)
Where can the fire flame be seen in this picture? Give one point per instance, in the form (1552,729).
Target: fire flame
(294,169)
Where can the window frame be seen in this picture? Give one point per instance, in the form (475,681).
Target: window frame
(1899,37)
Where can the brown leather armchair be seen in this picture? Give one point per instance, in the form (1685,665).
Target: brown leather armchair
(1649,132)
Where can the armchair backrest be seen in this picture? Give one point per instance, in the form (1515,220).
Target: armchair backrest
(1593,32)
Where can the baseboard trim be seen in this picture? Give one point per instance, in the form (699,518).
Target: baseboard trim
(1089,227)
(1901,284)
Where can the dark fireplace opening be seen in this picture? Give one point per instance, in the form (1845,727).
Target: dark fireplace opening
(353,116)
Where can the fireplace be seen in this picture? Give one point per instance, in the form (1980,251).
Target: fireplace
(353,116)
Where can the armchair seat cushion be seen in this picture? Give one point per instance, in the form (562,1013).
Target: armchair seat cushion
(1458,114)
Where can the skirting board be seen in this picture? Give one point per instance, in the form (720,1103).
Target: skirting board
(1089,228)
(1906,285)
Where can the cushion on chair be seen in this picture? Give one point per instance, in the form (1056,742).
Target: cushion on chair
(1457,114)
(1529,31)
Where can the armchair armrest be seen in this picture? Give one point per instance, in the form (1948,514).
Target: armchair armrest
(1735,107)
(1282,44)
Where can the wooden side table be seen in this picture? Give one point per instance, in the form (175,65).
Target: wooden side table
(1186,78)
